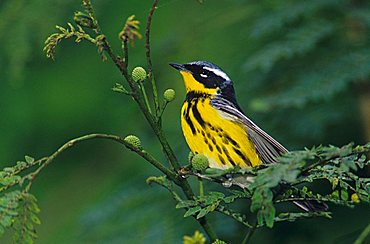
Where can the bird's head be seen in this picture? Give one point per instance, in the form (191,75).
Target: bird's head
(205,77)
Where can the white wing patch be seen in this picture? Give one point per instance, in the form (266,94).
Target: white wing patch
(218,72)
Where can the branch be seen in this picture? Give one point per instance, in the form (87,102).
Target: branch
(148,55)
(153,121)
(118,139)
(236,216)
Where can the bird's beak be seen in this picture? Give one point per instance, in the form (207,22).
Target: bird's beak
(179,67)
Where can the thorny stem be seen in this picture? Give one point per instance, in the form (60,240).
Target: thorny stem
(148,55)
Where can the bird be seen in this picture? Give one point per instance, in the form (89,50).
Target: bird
(215,126)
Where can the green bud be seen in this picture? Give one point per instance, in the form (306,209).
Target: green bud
(138,74)
(133,141)
(199,162)
(169,95)
(84,20)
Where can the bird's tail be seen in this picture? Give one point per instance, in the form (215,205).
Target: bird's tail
(311,205)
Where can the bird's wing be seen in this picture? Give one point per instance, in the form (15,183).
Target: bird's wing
(267,148)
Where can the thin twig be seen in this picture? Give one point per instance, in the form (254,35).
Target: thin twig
(250,233)
(237,217)
(362,237)
(75,141)
(201,188)
(161,111)
(125,53)
(148,55)
(27,166)
(142,87)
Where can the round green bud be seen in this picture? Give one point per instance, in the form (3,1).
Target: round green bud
(84,20)
(138,74)
(169,95)
(199,162)
(133,141)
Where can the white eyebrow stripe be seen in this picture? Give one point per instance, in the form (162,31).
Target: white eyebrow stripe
(218,72)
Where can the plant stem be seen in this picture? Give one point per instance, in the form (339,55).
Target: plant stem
(125,53)
(237,217)
(161,111)
(362,237)
(148,55)
(170,174)
(142,87)
(250,233)
(156,125)
(201,188)
(202,221)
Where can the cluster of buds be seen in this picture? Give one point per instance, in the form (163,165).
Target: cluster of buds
(84,20)
(130,31)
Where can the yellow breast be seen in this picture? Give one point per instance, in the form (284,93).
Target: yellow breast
(223,141)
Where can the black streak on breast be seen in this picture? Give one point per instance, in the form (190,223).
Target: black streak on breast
(197,115)
(188,120)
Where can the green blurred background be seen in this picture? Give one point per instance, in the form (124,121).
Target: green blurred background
(301,71)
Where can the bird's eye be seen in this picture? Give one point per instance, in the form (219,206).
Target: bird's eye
(203,75)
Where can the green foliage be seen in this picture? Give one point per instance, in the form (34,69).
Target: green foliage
(307,56)
(19,210)
(65,33)
(8,210)
(24,224)
(334,165)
